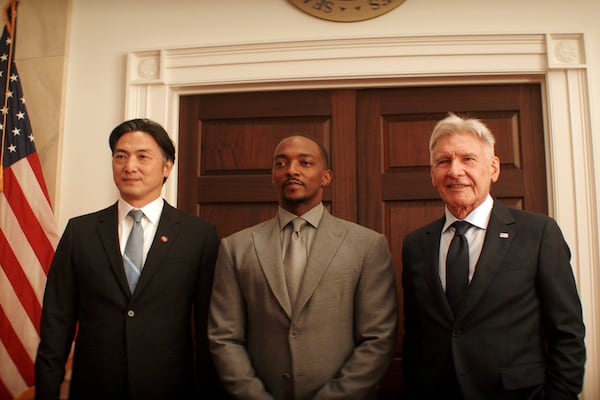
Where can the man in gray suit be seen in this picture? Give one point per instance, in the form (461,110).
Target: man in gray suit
(333,339)
(509,325)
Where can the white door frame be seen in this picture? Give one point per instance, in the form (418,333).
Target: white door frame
(157,77)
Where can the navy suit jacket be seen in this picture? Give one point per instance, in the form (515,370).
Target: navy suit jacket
(138,346)
(518,333)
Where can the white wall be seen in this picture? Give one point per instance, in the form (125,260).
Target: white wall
(103,32)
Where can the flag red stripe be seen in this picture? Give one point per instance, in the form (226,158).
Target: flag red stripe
(28,234)
(18,280)
(15,349)
(27,220)
(4,393)
(36,166)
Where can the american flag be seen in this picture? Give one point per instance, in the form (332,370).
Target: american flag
(28,233)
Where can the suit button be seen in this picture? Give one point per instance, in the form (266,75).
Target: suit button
(130,313)
(457,333)
(286,376)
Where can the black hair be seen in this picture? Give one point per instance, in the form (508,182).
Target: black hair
(322,149)
(150,127)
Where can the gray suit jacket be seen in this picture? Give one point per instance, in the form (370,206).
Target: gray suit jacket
(338,340)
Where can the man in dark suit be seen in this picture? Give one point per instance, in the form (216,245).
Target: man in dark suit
(327,332)
(134,331)
(509,325)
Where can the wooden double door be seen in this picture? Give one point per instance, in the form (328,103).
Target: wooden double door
(378,144)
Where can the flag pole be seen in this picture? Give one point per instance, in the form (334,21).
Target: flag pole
(10,6)
(10,24)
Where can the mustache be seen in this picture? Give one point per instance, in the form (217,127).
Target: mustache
(292,181)
(130,176)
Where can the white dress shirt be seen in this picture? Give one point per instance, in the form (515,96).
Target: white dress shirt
(152,212)
(479,218)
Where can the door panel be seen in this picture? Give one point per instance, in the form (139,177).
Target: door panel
(378,145)
(394,185)
(226,149)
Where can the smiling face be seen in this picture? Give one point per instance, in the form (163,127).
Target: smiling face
(139,168)
(462,170)
(299,174)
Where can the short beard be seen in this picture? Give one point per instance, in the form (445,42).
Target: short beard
(295,201)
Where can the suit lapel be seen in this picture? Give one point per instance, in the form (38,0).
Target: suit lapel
(328,239)
(498,237)
(268,249)
(169,227)
(109,239)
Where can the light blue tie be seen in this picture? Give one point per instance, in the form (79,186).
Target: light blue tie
(134,249)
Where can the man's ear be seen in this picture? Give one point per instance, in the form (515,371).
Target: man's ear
(495,168)
(326,178)
(167,167)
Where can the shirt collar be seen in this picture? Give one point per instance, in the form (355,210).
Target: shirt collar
(479,217)
(151,210)
(312,216)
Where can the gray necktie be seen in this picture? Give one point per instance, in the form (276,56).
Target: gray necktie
(457,264)
(295,259)
(134,249)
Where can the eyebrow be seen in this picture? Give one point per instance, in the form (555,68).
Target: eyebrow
(144,150)
(276,156)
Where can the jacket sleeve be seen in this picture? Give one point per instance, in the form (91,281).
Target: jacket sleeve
(562,317)
(412,332)
(58,323)
(376,319)
(227,332)
(208,381)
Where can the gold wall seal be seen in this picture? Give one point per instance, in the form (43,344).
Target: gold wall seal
(346,10)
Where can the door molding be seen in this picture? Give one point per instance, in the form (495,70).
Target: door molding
(157,77)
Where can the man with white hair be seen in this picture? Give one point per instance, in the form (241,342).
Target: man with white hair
(491,309)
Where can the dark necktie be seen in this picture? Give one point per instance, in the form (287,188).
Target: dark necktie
(457,264)
(134,250)
(295,259)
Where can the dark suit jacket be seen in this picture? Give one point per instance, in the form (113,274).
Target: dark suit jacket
(338,340)
(519,330)
(136,347)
